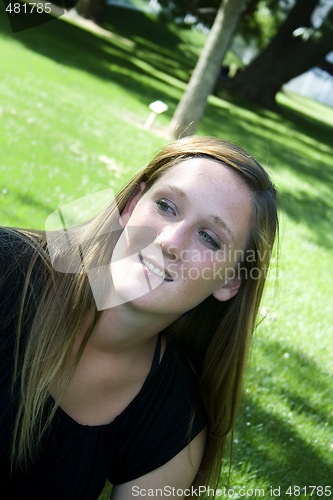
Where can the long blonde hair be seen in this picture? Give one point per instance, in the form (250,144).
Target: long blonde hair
(214,335)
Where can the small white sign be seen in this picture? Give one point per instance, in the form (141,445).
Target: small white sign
(158,107)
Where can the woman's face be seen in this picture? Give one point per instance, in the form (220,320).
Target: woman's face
(199,213)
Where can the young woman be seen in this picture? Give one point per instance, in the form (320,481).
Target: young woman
(126,363)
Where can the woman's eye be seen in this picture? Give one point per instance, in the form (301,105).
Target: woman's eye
(164,206)
(208,239)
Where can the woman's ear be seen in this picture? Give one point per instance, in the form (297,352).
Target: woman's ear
(229,290)
(131,204)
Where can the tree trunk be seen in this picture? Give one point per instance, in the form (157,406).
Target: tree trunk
(285,58)
(91,9)
(192,106)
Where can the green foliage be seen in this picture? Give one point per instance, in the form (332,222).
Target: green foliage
(178,9)
(73,104)
(261,21)
(258,25)
(267,24)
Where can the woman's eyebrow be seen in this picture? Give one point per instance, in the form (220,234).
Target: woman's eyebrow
(178,191)
(215,218)
(220,222)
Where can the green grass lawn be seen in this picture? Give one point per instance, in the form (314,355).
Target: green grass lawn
(73,104)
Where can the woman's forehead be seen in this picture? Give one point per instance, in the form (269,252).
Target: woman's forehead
(205,173)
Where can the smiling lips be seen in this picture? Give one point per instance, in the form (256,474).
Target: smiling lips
(159,272)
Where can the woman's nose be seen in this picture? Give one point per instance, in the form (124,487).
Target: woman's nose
(172,239)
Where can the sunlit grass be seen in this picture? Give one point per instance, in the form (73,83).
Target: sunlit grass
(73,105)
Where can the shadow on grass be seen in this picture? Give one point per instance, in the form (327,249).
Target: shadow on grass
(131,66)
(315,132)
(30,201)
(23,200)
(73,46)
(150,33)
(277,445)
(314,211)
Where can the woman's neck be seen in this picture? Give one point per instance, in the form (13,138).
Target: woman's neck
(123,329)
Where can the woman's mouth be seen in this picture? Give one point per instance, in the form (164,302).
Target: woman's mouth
(156,270)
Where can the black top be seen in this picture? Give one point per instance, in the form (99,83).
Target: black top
(75,459)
